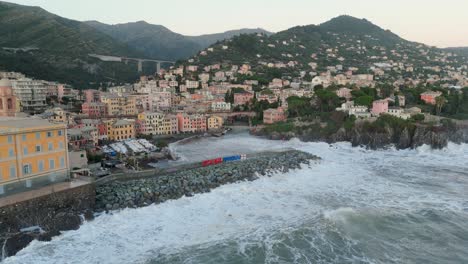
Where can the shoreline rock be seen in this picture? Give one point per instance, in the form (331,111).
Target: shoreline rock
(437,137)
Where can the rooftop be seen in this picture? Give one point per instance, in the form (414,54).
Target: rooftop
(14,124)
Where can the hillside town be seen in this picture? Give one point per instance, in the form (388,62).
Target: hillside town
(128,126)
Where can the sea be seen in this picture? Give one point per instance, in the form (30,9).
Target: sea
(354,206)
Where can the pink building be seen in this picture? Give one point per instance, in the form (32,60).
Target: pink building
(379,107)
(8,105)
(92,96)
(430,97)
(183,123)
(198,123)
(243,98)
(94,109)
(191,123)
(271,116)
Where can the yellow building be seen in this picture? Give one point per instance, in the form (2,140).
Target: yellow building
(33,152)
(215,122)
(120,105)
(121,129)
(157,124)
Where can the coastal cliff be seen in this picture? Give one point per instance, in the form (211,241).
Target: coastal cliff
(378,135)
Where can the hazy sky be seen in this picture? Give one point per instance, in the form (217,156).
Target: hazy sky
(435,22)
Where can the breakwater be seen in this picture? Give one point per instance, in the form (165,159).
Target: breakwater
(140,192)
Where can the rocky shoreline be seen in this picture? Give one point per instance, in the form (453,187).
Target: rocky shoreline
(437,137)
(45,217)
(142,192)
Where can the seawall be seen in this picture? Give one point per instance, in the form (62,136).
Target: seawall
(44,217)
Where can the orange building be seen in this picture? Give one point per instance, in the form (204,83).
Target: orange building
(33,152)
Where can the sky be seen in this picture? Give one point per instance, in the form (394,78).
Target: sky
(440,23)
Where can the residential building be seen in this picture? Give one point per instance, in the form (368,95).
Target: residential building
(430,97)
(344,92)
(157,124)
(191,84)
(9,105)
(398,112)
(31,95)
(121,129)
(379,107)
(120,105)
(272,115)
(241,98)
(92,96)
(191,123)
(220,107)
(215,122)
(94,109)
(33,152)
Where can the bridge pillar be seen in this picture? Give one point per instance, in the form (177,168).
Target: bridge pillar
(158,67)
(140,65)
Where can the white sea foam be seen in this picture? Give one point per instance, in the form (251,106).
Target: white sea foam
(346,180)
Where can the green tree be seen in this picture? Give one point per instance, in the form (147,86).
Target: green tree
(440,102)
(364,101)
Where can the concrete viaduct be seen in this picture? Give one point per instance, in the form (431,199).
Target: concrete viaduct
(126,60)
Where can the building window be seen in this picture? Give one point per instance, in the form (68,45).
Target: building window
(49,134)
(60,145)
(38,135)
(27,169)
(9,104)
(10,139)
(24,137)
(40,166)
(62,162)
(50,146)
(51,164)
(12,172)
(60,132)
(11,153)
(25,151)
(38,148)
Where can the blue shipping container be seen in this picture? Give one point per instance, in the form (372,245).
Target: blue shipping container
(231,158)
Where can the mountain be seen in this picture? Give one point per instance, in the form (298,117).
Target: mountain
(154,41)
(206,40)
(158,42)
(345,41)
(462,51)
(46,46)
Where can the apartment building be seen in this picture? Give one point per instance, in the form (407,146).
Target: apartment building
(214,122)
(31,94)
(33,152)
(121,129)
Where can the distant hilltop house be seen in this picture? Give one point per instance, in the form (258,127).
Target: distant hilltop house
(241,98)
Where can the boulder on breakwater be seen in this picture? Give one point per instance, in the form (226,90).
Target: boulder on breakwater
(157,189)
